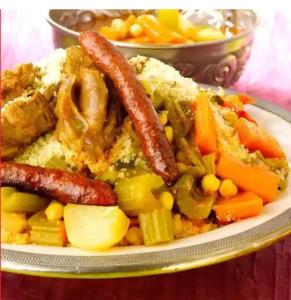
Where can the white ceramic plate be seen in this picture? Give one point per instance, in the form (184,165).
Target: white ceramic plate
(218,245)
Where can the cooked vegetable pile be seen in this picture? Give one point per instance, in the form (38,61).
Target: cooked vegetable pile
(228,166)
(167,26)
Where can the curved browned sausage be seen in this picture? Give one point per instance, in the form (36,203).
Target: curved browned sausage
(63,186)
(138,105)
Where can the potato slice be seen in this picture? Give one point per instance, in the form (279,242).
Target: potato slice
(94,227)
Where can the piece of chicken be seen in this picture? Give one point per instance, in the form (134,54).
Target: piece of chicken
(23,120)
(15,82)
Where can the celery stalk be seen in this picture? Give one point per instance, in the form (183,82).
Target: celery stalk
(209,163)
(195,171)
(191,205)
(178,119)
(44,232)
(192,154)
(156,226)
(56,163)
(48,234)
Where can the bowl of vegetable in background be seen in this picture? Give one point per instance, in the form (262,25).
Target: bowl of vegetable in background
(212,46)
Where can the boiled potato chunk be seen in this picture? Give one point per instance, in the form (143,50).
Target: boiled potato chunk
(94,227)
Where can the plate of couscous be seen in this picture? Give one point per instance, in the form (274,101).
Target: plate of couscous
(114,167)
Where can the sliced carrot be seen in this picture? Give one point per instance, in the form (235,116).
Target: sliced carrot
(245,115)
(255,138)
(256,179)
(228,105)
(205,126)
(159,33)
(246,99)
(243,205)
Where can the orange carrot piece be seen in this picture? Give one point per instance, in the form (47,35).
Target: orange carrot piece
(255,138)
(246,99)
(205,126)
(159,33)
(245,115)
(256,179)
(243,205)
(227,104)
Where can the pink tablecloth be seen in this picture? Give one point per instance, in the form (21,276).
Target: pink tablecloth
(265,275)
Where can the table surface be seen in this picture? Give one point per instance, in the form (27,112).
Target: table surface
(264,275)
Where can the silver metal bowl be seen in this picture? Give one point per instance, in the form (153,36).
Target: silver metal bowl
(217,63)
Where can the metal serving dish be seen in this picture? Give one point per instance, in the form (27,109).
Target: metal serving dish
(217,63)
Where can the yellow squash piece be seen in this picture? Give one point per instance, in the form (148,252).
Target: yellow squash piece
(21,202)
(135,194)
(7,191)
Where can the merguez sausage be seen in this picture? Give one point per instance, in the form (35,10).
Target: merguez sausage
(139,107)
(63,186)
